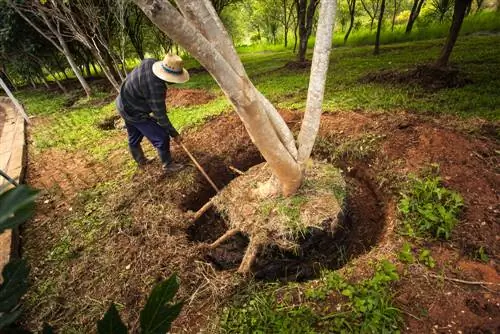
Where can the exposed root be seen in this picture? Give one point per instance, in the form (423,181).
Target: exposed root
(250,255)
(202,210)
(223,238)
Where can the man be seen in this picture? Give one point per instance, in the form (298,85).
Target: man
(143,93)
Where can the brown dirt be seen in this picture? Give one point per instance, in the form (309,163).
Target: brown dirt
(428,77)
(143,243)
(188,97)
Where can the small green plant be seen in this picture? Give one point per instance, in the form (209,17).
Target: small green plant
(369,306)
(263,313)
(427,208)
(364,307)
(426,258)
(481,255)
(406,254)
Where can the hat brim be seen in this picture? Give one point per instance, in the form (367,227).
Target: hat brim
(170,77)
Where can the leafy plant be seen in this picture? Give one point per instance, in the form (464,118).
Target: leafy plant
(16,206)
(406,254)
(262,313)
(427,208)
(481,255)
(365,307)
(426,258)
(156,316)
(369,306)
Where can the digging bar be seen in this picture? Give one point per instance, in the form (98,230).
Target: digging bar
(199,167)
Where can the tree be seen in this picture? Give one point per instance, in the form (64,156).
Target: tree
(286,17)
(459,10)
(305,18)
(371,8)
(442,7)
(376,51)
(415,11)
(352,12)
(197,28)
(52,32)
(396,8)
(219,5)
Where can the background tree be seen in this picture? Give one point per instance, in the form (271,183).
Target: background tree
(459,10)
(305,19)
(415,11)
(376,51)
(396,8)
(352,12)
(441,7)
(51,31)
(219,5)
(286,18)
(371,8)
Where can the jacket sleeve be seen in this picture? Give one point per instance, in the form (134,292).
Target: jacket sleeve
(157,95)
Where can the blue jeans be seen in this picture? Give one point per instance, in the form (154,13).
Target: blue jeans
(157,135)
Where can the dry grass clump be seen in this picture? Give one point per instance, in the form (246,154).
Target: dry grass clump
(280,220)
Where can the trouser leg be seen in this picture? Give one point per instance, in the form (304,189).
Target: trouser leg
(134,143)
(158,137)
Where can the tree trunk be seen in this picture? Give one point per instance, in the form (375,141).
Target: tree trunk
(9,81)
(286,37)
(319,70)
(376,51)
(62,47)
(295,37)
(202,34)
(16,103)
(305,17)
(415,11)
(352,12)
(394,14)
(460,7)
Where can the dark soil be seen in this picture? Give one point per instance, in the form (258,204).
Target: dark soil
(157,237)
(298,65)
(428,77)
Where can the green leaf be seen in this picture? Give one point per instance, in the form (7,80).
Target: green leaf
(15,284)
(158,315)
(16,206)
(111,323)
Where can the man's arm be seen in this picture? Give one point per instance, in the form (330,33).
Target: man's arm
(156,102)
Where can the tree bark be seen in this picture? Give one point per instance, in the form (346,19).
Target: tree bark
(415,11)
(237,87)
(305,17)
(16,103)
(62,47)
(376,51)
(319,69)
(352,12)
(460,7)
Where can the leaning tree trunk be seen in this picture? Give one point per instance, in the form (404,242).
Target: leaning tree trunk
(376,51)
(198,29)
(456,23)
(16,103)
(415,11)
(352,12)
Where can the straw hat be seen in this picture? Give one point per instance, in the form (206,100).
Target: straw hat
(171,69)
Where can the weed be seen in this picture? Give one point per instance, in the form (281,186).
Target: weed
(427,208)
(406,254)
(335,149)
(364,307)
(481,255)
(263,313)
(426,258)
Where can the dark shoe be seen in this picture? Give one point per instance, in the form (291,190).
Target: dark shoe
(172,167)
(144,162)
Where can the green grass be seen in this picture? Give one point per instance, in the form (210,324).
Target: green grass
(482,22)
(362,307)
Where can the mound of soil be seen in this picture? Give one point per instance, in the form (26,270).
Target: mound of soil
(428,77)
(187,97)
(298,65)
